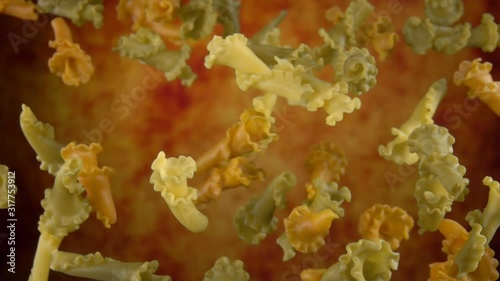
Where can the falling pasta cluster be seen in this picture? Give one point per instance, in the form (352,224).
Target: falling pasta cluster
(162,33)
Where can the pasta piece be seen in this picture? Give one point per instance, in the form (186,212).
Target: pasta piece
(233,51)
(451,40)
(97,267)
(382,36)
(94,180)
(312,274)
(78,11)
(433,202)
(306,230)
(225,269)
(476,76)
(326,162)
(449,172)
(170,178)
(253,133)
(238,171)
(486,35)
(286,246)
(419,34)
(468,258)
(3,187)
(489,218)
(364,260)
(254,221)
(41,138)
(96,183)
(265,104)
(147,46)
(22,9)
(430,138)
(64,212)
(383,222)
(444,12)
(69,61)
(158,15)
(198,19)
(327,196)
(397,150)
(357,68)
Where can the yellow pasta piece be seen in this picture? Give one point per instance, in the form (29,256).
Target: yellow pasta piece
(238,171)
(3,187)
(158,15)
(306,230)
(312,274)
(69,61)
(391,224)
(94,179)
(225,269)
(97,267)
(170,178)
(254,221)
(326,162)
(252,134)
(468,259)
(397,150)
(22,9)
(476,76)
(41,138)
(382,36)
(486,35)
(364,260)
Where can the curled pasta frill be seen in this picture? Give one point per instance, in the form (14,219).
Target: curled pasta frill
(433,202)
(22,9)
(94,179)
(327,161)
(448,171)
(327,196)
(364,260)
(69,61)
(225,269)
(468,257)
(381,36)
(170,178)
(476,76)
(430,138)
(397,150)
(419,34)
(198,19)
(444,12)
(254,221)
(238,171)
(233,51)
(486,35)
(96,267)
(357,68)
(306,230)
(253,133)
(383,222)
(147,46)
(78,11)
(311,274)
(41,138)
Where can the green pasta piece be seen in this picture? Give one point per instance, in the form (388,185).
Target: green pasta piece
(148,47)
(78,11)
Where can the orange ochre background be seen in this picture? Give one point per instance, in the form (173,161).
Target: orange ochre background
(188,121)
